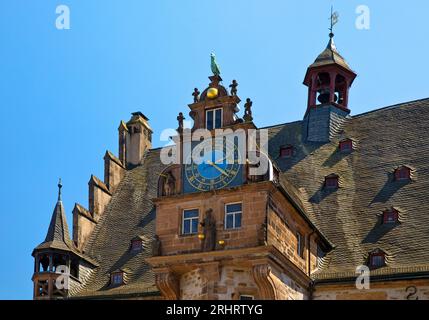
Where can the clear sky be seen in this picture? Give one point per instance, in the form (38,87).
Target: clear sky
(63,92)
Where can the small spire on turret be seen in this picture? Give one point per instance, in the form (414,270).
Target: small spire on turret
(60,185)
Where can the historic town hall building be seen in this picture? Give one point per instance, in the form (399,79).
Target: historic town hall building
(341,192)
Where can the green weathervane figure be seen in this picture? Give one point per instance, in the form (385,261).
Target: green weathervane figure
(214,65)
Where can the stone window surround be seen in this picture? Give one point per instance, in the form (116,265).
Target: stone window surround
(182,227)
(233,213)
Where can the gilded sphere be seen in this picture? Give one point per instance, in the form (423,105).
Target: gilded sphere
(212,93)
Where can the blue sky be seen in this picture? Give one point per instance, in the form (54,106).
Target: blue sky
(63,92)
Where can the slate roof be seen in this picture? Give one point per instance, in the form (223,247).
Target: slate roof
(58,236)
(330,56)
(350,217)
(129,214)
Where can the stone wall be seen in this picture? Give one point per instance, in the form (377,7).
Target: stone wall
(169,219)
(388,290)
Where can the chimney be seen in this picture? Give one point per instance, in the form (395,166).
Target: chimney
(138,138)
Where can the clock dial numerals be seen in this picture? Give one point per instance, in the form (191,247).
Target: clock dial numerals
(217,170)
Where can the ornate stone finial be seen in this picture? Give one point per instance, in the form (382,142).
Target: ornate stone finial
(209,230)
(59,189)
(196,95)
(233,87)
(248,110)
(214,65)
(180,119)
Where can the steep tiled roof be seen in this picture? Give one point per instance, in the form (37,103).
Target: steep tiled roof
(130,213)
(58,236)
(384,139)
(349,217)
(330,56)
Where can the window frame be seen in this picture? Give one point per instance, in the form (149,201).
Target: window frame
(399,171)
(390,213)
(234,213)
(374,255)
(183,221)
(114,275)
(300,245)
(289,151)
(213,110)
(330,179)
(346,142)
(137,248)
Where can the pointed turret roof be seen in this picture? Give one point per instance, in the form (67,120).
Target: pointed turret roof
(58,236)
(330,56)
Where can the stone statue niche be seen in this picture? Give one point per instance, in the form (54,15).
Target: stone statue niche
(167,184)
(209,231)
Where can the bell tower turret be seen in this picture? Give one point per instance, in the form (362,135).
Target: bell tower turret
(328,80)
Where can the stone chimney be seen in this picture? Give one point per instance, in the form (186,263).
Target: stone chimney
(138,138)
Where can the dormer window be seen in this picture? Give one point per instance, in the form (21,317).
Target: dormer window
(136,244)
(377,259)
(402,173)
(286,151)
(117,278)
(214,119)
(331,181)
(346,145)
(390,216)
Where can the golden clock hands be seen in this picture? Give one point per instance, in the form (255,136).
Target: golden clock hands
(221,160)
(218,168)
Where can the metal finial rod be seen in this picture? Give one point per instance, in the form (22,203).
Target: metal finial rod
(334,20)
(59,189)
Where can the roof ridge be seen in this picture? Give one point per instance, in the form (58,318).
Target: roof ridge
(390,107)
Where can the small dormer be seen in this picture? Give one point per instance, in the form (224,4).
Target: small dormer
(376,259)
(345,145)
(118,278)
(402,173)
(390,216)
(332,181)
(136,244)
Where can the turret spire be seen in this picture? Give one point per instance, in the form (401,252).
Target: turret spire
(60,185)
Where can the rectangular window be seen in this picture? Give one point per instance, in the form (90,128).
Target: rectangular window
(190,221)
(299,245)
(390,216)
(320,255)
(233,216)
(286,152)
(331,183)
(117,278)
(136,244)
(346,145)
(246,297)
(377,260)
(214,119)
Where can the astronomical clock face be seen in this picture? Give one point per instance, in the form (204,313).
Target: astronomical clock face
(218,169)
